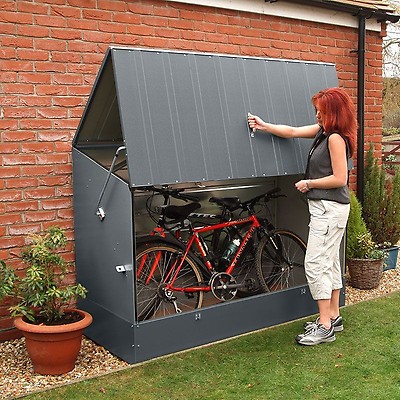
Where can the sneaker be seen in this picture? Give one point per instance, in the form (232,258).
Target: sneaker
(337,324)
(315,335)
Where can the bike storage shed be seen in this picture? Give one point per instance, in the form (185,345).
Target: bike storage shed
(180,119)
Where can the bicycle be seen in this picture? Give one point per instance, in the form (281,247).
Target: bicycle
(172,275)
(170,220)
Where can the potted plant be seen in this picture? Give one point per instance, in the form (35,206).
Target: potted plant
(42,301)
(364,259)
(381,208)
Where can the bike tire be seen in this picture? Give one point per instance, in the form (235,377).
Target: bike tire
(150,300)
(280,261)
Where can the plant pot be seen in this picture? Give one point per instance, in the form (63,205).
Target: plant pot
(54,349)
(391,258)
(365,273)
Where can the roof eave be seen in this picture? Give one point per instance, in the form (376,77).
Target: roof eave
(380,15)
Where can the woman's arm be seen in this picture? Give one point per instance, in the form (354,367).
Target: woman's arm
(284,131)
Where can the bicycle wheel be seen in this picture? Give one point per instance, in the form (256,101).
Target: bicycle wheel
(154,263)
(280,261)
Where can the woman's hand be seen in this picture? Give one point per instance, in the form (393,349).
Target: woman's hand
(255,122)
(303,186)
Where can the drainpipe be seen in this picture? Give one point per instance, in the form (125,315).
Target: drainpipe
(361,107)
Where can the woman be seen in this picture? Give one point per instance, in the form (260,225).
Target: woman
(325,185)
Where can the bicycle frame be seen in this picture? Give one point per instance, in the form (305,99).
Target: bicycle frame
(195,239)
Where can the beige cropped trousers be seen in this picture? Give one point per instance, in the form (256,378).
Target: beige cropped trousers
(328,221)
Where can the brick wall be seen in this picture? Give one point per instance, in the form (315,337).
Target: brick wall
(50,54)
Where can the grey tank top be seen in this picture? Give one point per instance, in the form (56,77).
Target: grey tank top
(319,165)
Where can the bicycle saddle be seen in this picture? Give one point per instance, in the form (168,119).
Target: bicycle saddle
(231,203)
(180,212)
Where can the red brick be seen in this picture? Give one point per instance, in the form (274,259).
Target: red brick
(36,123)
(8,100)
(55,204)
(52,113)
(37,170)
(126,18)
(49,20)
(140,8)
(112,5)
(40,216)
(9,172)
(51,90)
(51,158)
(19,135)
(19,183)
(82,24)
(14,41)
(10,219)
(110,27)
(9,148)
(66,34)
(36,8)
(24,230)
(67,79)
(18,88)
(50,67)
(11,242)
(52,135)
(51,44)
(14,65)
(16,17)
(18,159)
(34,55)
(22,206)
(39,193)
(67,12)
(19,113)
(33,31)
(54,181)
(101,15)
(35,101)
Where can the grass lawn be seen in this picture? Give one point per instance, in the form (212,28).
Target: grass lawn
(363,363)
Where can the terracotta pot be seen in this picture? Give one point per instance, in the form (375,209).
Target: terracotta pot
(53,350)
(364,274)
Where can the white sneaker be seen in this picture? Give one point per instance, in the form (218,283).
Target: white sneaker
(316,334)
(337,324)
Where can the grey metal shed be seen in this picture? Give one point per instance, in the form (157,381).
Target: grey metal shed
(178,118)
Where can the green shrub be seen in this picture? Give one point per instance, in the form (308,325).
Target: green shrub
(359,242)
(41,294)
(381,209)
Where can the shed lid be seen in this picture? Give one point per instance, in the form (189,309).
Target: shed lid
(183,116)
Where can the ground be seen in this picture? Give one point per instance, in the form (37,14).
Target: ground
(17,377)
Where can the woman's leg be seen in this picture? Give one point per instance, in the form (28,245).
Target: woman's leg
(334,304)
(324,308)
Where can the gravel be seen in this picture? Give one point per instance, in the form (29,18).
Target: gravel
(17,378)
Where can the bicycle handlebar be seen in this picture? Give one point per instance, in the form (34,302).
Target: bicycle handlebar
(271,194)
(168,192)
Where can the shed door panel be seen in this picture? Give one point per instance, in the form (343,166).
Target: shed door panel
(183,115)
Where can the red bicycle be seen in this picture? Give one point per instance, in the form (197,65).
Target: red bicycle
(173,274)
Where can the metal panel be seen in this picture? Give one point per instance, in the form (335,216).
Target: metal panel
(183,115)
(155,338)
(100,246)
(100,123)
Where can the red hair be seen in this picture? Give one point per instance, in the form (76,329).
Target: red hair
(339,114)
